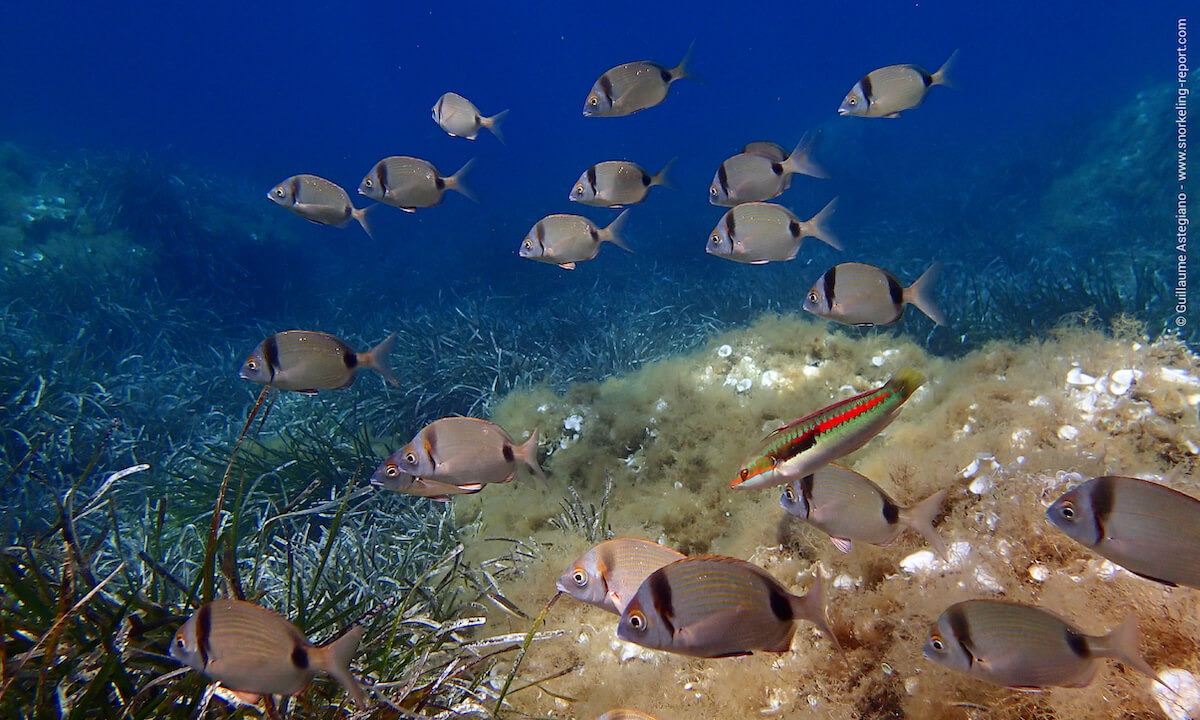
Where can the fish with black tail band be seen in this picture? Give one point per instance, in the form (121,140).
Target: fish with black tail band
(1025,647)
(409,183)
(1146,528)
(318,200)
(616,183)
(754,176)
(250,649)
(463,451)
(805,445)
(864,295)
(890,90)
(715,606)
(848,506)
(459,117)
(610,573)
(760,232)
(388,476)
(305,361)
(628,88)
(564,240)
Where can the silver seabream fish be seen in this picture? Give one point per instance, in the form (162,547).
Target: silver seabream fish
(318,200)
(631,87)
(864,295)
(564,240)
(1021,646)
(250,649)
(847,506)
(464,451)
(409,183)
(305,361)
(459,117)
(760,232)
(756,175)
(615,183)
(888,91)
(1146,528)
(716,606)
(610,573)
(389,476)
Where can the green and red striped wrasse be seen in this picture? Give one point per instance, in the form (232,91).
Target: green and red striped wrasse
(801,447)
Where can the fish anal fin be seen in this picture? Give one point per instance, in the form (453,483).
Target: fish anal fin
(567,266)
(842,544)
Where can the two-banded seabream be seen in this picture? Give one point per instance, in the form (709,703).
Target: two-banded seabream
(610,573)
(634,86)
(890,90)
(305,361)
(855,293)
(760,232)
(409,183)
(318,200)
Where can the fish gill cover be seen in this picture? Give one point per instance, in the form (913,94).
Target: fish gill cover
(141,264)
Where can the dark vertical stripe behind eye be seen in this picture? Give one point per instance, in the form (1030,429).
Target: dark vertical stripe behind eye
(382,172)
(867,91)
(660,593)
(591,178)
(723,179)
(295,190)
(606,87)
(1102,503)
(960,629)
(271,354)
(830,284)
(203,632)
(729,225)
(806,491)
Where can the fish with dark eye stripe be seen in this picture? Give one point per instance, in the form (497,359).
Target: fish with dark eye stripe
(863,295)
(848,506)
(888,91)
(462,451)
(759,232)
(631,87)
(318,200)
(610,573)
(564,240)
(1146,528)
(1021,646)
(716,606)
(815,440)
(409,183)
(756,175)
(250,649)
(304,361)
(459,117)
(616,183)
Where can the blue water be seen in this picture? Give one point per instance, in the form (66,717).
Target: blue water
(262,91)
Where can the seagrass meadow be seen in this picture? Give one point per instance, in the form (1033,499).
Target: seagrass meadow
(140,477)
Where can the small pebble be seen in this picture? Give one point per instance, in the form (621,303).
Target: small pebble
(725,351)
(1068,432)
(1079,377)
(744,384)
(1182,701)
(1039,573)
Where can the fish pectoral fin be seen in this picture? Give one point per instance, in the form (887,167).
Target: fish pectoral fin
(892,115)
(309,393)
(842,544)
(567,266)
(409,209)
(759,262)
(704,632)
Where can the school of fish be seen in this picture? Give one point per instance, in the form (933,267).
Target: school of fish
(705,606)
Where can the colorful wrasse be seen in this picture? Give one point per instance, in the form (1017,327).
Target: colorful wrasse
(609,574)
(801,447)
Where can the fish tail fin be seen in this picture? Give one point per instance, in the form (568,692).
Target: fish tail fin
(811,607)
(818,226)
(1122,645)
(335,658)
(612,233)
(528,452)
(920,294)
(682,70)
(800,162)
(493,123)
(663,177)
(906,381)
(943,75)
(455,181)
(376,357)
(360,214)
(920,517)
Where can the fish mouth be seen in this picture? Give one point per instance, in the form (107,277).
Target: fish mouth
(843,111)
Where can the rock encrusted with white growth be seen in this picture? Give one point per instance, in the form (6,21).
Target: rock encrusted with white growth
(1182,700)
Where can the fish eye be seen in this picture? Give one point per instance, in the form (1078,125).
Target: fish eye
(579,577)
(410,458)
(368,182)
(180,642)
(593,101)
(637,621)
(936,643)
(1067,511)
(251,365)
(578,189)
(528,244)
(789,494)
(279,192)
(716,239)
(391,470)
(745,473)
(853,101)
(812,297)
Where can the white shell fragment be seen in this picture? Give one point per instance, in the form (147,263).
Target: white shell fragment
(981,484)
(744,384)
(573,422)
(1068,432)
(1122,380)
(1182,701)
(770,378)
(725,351)
(1079,377)
(1039,573)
